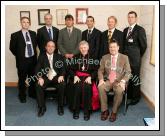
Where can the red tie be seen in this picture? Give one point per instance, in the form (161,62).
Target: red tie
(112,75)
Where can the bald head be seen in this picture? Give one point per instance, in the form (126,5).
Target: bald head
(50,47)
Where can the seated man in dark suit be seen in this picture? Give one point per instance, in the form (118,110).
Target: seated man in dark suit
(92,36)
(47,33)
(50,70)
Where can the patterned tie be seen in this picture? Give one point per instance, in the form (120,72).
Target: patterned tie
(50,34)
(51,73)
(109,36)
(130,33)
(112,75)
(89,33)
(29,49)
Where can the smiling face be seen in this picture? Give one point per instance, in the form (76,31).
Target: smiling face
(84,48)
(50,47)
(25,23)
(113,48)
(111,23)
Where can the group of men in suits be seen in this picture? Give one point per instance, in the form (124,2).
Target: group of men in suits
(131,42)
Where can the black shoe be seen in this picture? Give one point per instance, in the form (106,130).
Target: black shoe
(60,110)
(86,116)
(41,111)
(22,100)
(75,115)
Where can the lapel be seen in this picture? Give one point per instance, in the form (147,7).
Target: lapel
(47,61)
(22,38)
(54,33)
(114,34)
(93,33)
(134,29)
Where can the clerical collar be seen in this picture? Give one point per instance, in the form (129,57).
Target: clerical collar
(85,55)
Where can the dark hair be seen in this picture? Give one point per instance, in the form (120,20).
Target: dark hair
(91,18)
(22,18)
(133,12)
(113,41)
(69,16)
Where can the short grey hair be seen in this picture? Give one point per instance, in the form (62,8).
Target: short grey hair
(83,43)
(47,15)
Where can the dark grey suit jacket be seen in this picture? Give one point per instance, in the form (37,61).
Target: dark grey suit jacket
(69,45)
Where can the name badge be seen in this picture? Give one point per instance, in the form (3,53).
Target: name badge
(130,40)
(28,42)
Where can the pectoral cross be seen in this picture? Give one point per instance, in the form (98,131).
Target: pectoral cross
(83,68)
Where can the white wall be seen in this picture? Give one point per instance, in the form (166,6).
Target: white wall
(147,70)
(101,13)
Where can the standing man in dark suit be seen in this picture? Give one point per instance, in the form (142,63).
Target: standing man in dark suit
(50,71)
(23,46)
(110,34)
(135,44)
(92,36)
(47,33)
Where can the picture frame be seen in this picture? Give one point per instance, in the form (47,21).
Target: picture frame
(25,14)
(41,14)
(81,15)
(152,50)
(60,16)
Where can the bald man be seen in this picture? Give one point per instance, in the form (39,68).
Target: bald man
(50,71)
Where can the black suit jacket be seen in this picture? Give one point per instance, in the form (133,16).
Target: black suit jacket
(18,45)
(117,35)
(43,65)
(43,37)
(135,49)
(94,41)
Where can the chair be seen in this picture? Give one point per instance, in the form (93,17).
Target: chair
(111,93)
(50,93)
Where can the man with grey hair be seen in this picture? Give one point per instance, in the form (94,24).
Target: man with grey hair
(47,33)
(83,70)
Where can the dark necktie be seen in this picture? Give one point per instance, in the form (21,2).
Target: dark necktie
(130,33)
(29,49)
(89,33)
(50,34)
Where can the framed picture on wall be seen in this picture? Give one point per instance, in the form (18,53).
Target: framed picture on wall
(25,14)
(41,14)
(60,15)
(81,15)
